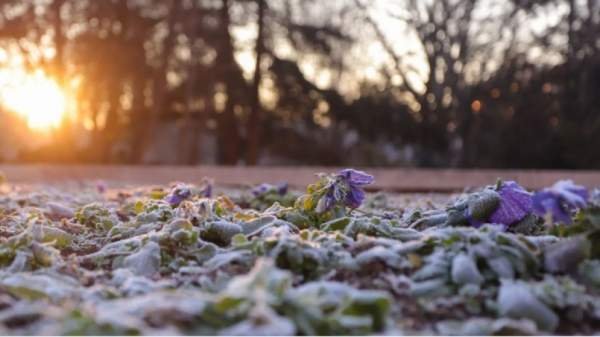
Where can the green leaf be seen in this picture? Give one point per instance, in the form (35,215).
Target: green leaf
(336,224)
(220,232)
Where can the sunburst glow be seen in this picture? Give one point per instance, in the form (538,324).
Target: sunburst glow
(35,97)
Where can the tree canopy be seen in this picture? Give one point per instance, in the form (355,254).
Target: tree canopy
(477,83)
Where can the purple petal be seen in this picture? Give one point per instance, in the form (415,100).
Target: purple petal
(546,202)
(207,191)
(326,202)
(560,200)
(355,177)
(178,194)
(174,199)
(515,204)
(543,201)
(355,197)
(572,194)
(101,186)
(282,188)
(261,189)
(264,188)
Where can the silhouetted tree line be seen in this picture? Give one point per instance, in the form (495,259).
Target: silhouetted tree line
(465,83)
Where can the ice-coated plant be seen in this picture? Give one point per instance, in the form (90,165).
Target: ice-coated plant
(559,201)
(178,194)
(336,192)
(515,204)
(265,188)
(263,263)
(352,183)
(263,196)
(205,190)
(101,186)
(506,204)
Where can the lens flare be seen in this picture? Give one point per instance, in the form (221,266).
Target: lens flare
(35,97)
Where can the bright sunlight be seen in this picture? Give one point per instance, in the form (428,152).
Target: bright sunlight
(34,96)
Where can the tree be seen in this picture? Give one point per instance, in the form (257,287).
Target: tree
(456,55)
(254,120)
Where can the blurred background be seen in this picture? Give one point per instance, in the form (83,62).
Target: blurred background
(415,83)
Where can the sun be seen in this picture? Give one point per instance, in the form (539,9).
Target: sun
(35,97)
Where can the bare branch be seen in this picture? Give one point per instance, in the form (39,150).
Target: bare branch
(390,51)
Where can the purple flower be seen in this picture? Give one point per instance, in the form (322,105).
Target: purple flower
(345,188)
(560,200)
(206,192)
(327,201)
(354,181)
(355,177)
(178,194)
(265,188)
(282,188)
(515,204)
(101,186)
(261,189)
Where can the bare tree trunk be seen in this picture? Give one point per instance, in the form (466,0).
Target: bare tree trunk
(59,41)
(137,117)
(254,122)
(159,83)
(111,127)
(192,130)
(62,138)
(571,95)
(229,137)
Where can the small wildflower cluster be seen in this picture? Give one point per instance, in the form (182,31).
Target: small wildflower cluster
(509,203)
(265,195)
(181,192)
(178,194)
(504,204)
(264,188)
(515,204)
(560,201)
(336,192)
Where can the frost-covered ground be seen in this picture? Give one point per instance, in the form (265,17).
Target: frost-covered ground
(199,259)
